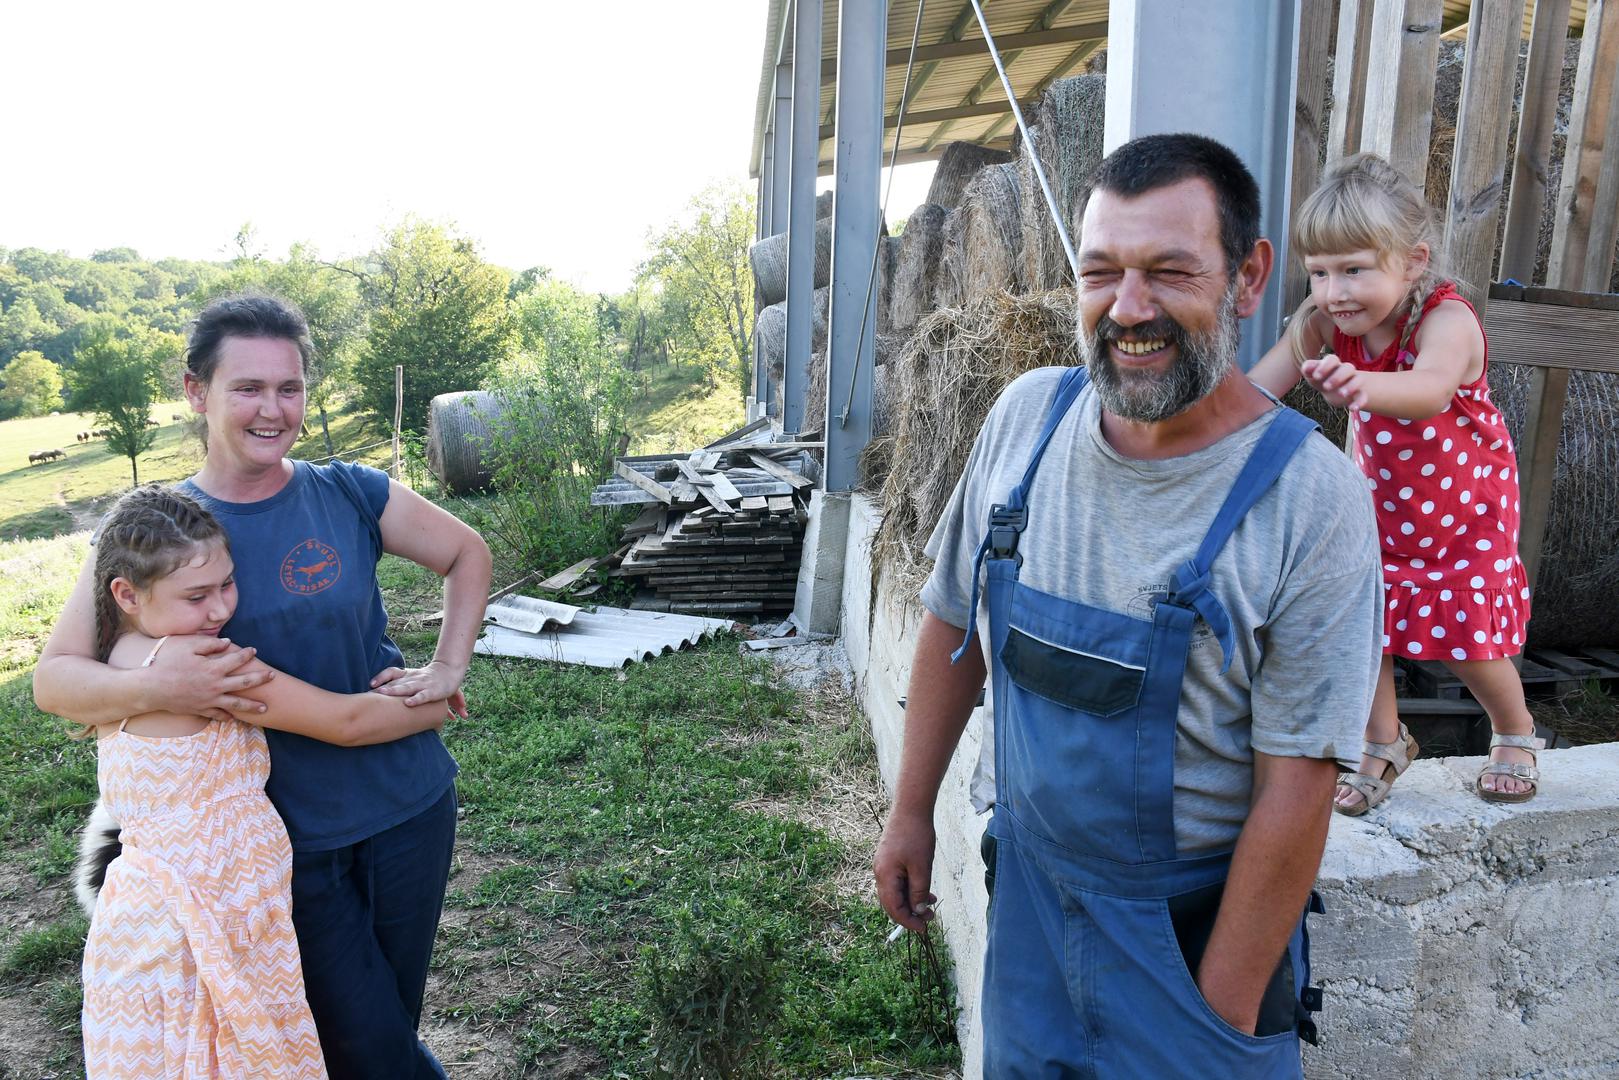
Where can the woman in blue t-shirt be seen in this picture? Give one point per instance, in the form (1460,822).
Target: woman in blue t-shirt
(372,827)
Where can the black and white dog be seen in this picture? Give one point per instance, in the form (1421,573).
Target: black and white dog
(98,847)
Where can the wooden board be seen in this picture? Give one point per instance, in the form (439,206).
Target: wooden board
(1309,114)
(1350,61)
(642,481)
(1537,117)
(1553,335)
(1479,166)
(567,577)
(1399,83)
(781,472)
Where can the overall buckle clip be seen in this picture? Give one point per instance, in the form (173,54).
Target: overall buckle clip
(1005,525)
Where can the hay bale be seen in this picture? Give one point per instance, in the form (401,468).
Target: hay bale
(770,335)
(1067,134)
(984,240)
(916,266)
(768,257)
(823,205)
(458,439)
(960,162)
(948,374)
(1578,583)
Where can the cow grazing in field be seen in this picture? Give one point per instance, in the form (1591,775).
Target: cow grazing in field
(100,432)
(83,436)
(38,456)
(178,418)
(150,422)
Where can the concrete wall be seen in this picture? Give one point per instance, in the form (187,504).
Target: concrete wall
(1461,938)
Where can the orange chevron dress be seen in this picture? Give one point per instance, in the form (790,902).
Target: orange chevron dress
(191,969)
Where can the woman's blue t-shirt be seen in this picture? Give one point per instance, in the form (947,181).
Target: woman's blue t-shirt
(308,601)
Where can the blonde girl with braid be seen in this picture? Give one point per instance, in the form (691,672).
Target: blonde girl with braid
(192,968)
(1387,336)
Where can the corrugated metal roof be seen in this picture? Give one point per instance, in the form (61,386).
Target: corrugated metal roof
(957,82)
(607,637)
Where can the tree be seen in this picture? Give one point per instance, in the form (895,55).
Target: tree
(700,265)
(438,309)
(117,371)
(30,386)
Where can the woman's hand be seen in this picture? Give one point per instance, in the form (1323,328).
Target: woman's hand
(1336,381)
(420,685)
(203,676)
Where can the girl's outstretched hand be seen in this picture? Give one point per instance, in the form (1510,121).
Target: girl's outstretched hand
(1336,381)
(418,685)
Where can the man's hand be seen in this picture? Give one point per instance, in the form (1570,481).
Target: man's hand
(904,869)
(203,676)
(436,681)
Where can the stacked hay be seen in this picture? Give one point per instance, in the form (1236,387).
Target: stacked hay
(768,257)
(916,268)
(983,243)
(958,166)
(1067,134)
(459,439)
(1578,585)
(949,373)
(777,360)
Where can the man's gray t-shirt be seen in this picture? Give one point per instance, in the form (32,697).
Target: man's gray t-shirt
(1299,577)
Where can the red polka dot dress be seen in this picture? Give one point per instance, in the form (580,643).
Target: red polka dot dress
(1446,490)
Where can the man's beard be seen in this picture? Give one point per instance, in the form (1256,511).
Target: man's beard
(1201,361)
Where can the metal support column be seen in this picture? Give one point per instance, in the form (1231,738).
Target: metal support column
(764,212)
(781,146)
(804,155)
(857,165)
(1158,48)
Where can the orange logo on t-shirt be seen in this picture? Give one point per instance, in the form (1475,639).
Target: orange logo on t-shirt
(310,567)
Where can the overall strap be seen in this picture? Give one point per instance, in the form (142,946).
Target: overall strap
(1189,586)
(1007,520)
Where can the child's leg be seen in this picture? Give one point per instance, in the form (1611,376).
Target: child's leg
(1496,685)
(1382,726)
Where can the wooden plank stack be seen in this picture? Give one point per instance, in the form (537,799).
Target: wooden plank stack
(723,529)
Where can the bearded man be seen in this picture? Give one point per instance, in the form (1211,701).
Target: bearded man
(1181,583)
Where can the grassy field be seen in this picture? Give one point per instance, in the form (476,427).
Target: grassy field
(676,412)
(641,853)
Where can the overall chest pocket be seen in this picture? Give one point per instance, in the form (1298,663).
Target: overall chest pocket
(1078,680)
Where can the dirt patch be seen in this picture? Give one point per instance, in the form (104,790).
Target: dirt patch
(27,1035)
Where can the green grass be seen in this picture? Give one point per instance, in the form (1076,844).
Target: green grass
(677,412)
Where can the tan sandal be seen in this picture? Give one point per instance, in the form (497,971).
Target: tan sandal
(1530,774)
(1374,789)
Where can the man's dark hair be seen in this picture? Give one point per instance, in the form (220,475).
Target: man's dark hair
(1156,161)
(244,315)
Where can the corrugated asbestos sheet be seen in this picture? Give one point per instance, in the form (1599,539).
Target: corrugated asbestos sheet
(606,637)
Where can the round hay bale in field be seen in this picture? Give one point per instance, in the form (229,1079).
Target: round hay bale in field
(949,372)
(1067,134)
(458,438)
(986,254)
(1578,586)
(916,266)
(958,165)
(768,257)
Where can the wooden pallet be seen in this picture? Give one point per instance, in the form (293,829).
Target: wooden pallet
(1545,672)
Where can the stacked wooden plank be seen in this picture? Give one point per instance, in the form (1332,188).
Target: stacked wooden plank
(723,529)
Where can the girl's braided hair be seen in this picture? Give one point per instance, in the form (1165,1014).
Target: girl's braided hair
(148,534)
(1366,204)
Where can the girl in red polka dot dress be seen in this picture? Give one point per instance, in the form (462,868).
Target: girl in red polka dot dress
(1386,336)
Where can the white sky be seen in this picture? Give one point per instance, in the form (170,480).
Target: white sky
(555,134)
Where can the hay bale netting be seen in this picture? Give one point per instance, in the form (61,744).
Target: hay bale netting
(950,371)
(770,337)
(916,266)
(1067,133)
(458,438)
(768,257)
(1578,586)
(958,165)
(984,239)
(823,205)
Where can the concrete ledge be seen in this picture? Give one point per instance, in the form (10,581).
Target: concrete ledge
(1461,938)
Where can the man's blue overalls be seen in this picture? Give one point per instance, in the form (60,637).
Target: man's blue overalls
(1094,914)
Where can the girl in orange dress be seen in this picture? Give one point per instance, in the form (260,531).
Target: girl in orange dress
(191,969)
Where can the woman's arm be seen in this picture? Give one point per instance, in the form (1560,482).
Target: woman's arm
(290,704)
(415,529)
(195,676)
(1278,370)
(1450,352)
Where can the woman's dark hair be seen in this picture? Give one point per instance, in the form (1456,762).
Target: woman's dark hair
(246,315)
(1156,161)
(150,532)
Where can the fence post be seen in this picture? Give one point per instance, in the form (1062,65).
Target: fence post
(399,412)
